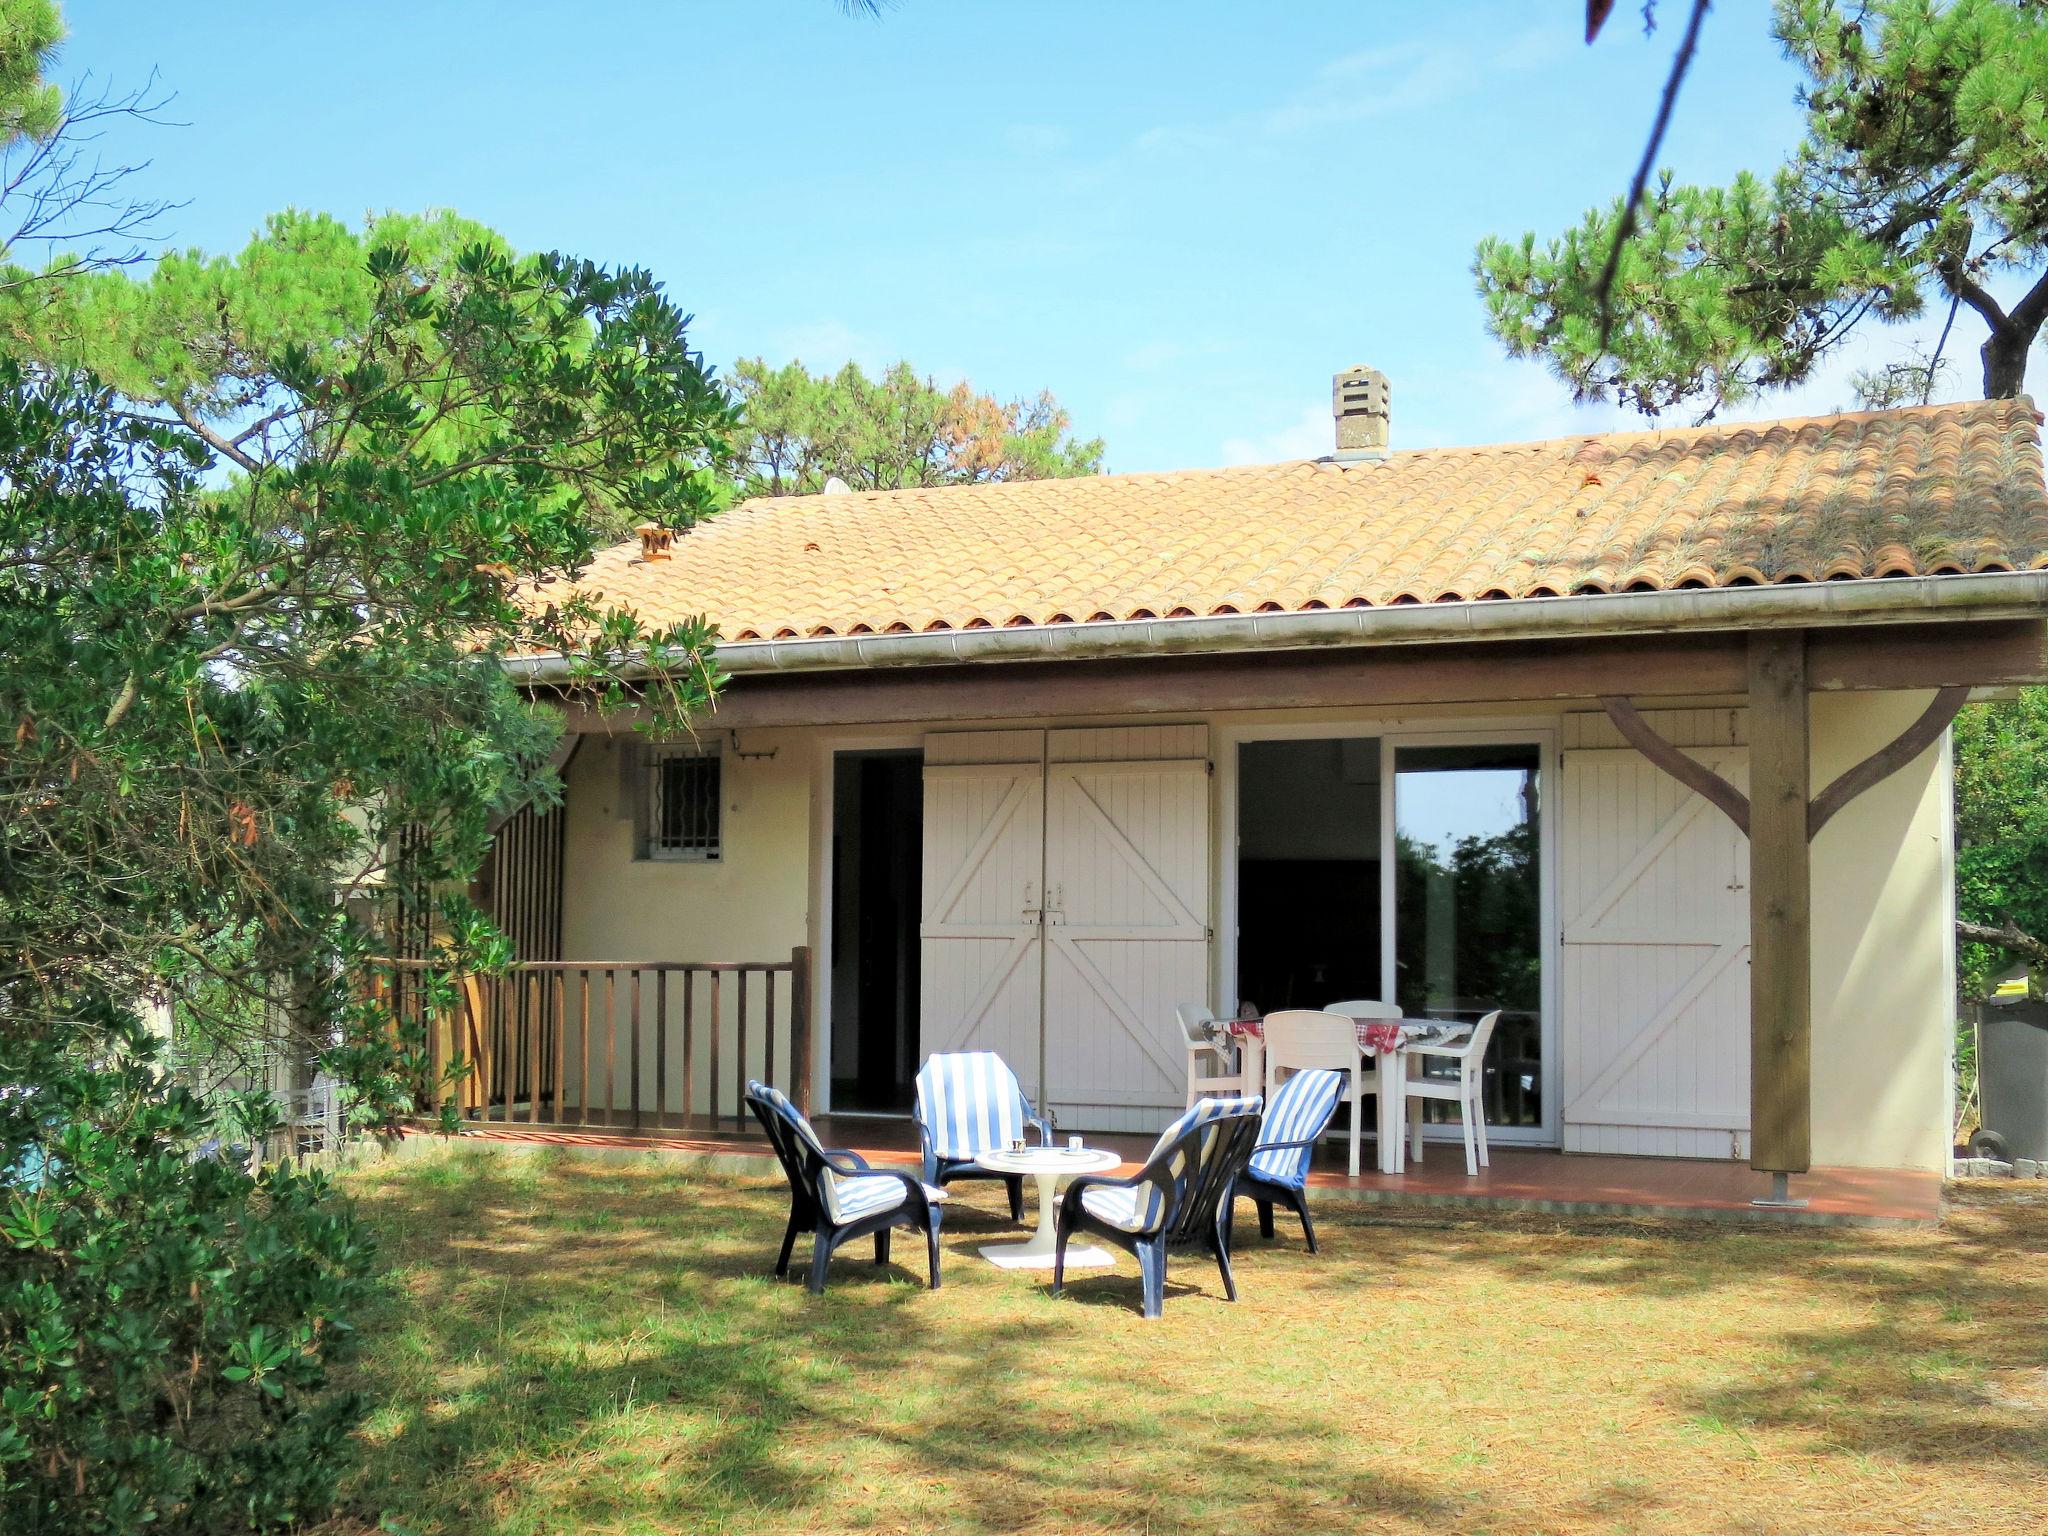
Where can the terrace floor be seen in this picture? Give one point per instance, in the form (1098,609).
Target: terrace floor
(1519,1178)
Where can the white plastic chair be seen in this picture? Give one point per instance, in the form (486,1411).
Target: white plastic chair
(1301,1038)
(316,1124)
(1229,1078)
(1463,1090)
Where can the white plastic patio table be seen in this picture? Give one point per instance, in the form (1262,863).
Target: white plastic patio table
(1390,1103)
(1047,1165)
(1393,1095)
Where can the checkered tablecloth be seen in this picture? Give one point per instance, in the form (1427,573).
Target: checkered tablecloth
(1380,1036)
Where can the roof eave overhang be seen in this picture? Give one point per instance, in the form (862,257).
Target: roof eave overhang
(1804,605)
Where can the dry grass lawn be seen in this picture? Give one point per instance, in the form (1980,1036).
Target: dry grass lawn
(581,1346)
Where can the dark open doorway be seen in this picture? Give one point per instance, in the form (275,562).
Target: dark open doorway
(877,867)
(1308,872)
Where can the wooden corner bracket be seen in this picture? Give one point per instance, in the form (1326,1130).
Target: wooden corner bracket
(1733,803)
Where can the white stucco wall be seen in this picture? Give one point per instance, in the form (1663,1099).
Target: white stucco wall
(1883,950)
(1882,871)
(750,905)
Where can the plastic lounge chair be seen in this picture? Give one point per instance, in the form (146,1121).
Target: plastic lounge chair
(837,1195)
(1180,1197)
(1461,1084)
(1296,1118)
(968,1103)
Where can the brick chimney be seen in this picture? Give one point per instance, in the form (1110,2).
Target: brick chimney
(654,541)
(1359,401)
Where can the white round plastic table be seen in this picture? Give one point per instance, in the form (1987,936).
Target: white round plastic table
(1048,1165)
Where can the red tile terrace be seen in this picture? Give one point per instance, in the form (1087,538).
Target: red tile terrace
(1518,1179)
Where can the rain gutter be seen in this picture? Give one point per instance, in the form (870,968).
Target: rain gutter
(1800,605)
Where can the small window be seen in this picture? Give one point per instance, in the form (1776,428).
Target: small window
(682,819)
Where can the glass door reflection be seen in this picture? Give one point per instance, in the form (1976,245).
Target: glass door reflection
(1468,909)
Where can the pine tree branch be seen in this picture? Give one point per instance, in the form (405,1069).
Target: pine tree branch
(1622,230)
(2031,312)
(211,438)
(2009,937)
(1941,345)
(1973,293)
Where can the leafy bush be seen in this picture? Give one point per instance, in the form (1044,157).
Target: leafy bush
(2001,753)
(168,1323)
(267,526)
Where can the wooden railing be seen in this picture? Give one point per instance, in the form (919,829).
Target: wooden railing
(618,1045)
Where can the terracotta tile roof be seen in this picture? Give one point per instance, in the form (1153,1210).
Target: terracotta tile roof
(1927,490)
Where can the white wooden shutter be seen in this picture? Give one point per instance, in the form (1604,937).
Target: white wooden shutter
(1653,986)
(984,816)
(1127,873)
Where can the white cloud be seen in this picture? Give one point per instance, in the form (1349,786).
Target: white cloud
(1499,402)
(1367,84)
(1507,401)
(1377,82)
(825,346)
(1309,435)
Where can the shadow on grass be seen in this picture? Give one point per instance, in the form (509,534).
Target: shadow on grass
(582,1345)
(571,1346)
(1940,1354)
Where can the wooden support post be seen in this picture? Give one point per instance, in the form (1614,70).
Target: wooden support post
(799,1027)
(1780,907)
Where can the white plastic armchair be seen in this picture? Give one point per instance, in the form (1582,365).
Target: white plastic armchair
(1300,1039)
(1215,1065)
(1365,1008)
(1462,1089)
(316,1116)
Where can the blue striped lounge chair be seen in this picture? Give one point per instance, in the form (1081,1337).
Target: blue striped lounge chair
(1300,1111)
(837,1195)
(968,1103)
(1181,1197)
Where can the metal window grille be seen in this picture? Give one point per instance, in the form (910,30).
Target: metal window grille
(683,820)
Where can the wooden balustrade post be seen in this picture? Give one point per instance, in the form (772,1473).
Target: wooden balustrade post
(717,1029)
(636,1047)
(800,1027)
(689,1048)
(507,1037)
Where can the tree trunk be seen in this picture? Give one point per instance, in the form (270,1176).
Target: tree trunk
(2011,937)
(2005,361)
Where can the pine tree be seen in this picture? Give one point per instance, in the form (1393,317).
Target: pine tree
(1922,176)
(892,432)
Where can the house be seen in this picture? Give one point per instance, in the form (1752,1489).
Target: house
(1640,738)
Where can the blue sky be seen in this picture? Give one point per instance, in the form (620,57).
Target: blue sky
(1180,218)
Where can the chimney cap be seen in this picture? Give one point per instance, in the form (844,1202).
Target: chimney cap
(654,541)
(1361,406)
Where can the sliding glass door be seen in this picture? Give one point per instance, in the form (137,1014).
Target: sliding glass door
(1467,905)
(1405,865)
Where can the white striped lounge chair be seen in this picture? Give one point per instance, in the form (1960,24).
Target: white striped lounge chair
(1300,1111)
(968,1103)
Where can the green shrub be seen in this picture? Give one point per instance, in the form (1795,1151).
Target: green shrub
(2001,756)
(167,1321)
